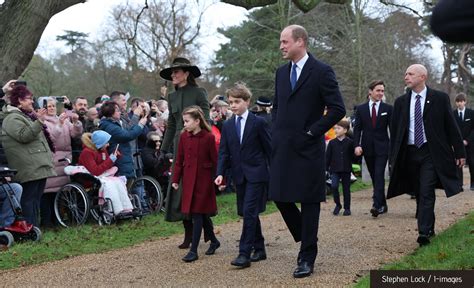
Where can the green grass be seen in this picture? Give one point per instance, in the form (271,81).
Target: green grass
(450,250)
(63,243)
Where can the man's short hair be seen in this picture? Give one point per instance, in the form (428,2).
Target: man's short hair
(239,90)
(373,84)
(115,94)
(344,124)
(108,108)
(79,98)
(460,97)
(297,32)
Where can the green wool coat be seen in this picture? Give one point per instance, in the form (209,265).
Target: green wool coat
(25,146)
(178,101)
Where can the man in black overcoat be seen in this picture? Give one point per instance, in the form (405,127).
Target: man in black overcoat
(371,139)
(465,120)
(303,88)
(426,148)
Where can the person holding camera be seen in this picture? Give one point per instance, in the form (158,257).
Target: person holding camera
(28,148)
(62,126)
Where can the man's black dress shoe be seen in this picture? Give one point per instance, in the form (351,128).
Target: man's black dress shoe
(423,240)
(303,270)
(258,255)
(336,210)
(241,261)
(376,212)
(190,257)
(212,248)
(384,209)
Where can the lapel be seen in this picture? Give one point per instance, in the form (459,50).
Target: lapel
(248,127)
(429,102)
(307,68)
(405,113)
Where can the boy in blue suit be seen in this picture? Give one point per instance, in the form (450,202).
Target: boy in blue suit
(245,148)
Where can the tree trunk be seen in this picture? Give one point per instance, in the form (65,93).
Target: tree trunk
(21,25)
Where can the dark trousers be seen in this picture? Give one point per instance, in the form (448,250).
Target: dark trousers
(303,226)
(47,214)
(470,163)
(376,166)
(345,178)
(423,176)
(31,200)
(251,196)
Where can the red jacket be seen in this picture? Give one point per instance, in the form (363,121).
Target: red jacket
(95,161)
(195,164)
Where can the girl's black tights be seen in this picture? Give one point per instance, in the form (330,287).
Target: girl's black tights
(201,221)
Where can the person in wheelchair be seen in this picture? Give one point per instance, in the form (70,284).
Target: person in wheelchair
(7,215)
(95,158)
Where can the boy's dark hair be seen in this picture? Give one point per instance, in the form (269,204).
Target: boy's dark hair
(460,97)
(239,90)
(344,124)
(375,83)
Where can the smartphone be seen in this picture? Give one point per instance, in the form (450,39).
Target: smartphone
(60,99)
(45,103)
(20,82)
(116,149)
(59,108)
(220,97)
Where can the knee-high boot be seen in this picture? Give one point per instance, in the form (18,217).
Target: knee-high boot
(188,234)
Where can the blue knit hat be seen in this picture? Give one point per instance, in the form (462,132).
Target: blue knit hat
(100,138)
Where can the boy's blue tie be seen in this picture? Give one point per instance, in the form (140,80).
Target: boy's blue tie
(238,127)
(293,76)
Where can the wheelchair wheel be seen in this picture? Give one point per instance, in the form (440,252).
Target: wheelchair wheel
(6,238)
(152,192)
(71,205)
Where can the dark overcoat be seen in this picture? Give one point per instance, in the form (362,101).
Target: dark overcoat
(373,140)
(195,165)
(442,136)
(179,100)
(298,159)
(466,125)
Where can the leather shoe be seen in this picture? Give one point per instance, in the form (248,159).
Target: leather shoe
(258,255)
(212,248)
(347,212)
(376,212)
(384,209)
(190,257)
(423,240)
(241,261)
(337,209)
(304,269)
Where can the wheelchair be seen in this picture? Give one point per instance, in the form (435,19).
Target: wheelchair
(79,199)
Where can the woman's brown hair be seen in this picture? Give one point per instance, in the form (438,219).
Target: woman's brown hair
(196,113)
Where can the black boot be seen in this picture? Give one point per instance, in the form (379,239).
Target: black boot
(188,234)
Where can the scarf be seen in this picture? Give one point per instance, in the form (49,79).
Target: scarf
(33,117)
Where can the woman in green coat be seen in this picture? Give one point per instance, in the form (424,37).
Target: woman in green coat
(28,145)
(187,93)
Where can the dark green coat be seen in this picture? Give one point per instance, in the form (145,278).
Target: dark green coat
(178,101)
(25,146)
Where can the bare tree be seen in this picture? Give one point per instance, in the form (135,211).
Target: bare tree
(21,26)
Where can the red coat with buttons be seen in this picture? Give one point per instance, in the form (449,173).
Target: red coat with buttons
(195,165)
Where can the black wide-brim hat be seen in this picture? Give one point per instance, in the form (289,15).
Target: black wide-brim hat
(264,101)
(180,63)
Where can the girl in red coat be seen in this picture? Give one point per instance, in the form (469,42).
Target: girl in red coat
(195,166)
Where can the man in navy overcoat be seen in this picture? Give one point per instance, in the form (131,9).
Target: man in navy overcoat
(303,88)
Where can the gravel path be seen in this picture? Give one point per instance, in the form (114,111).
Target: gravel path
(349,246)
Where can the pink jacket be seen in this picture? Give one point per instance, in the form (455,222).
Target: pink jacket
(61,136)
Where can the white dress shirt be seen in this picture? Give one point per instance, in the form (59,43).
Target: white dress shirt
(242,123)
(299,66)
(377,105)
(411,127)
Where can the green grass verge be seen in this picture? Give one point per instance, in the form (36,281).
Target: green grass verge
(90,238)
(452,249)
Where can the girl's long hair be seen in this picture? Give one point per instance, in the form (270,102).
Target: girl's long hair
(196,113)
